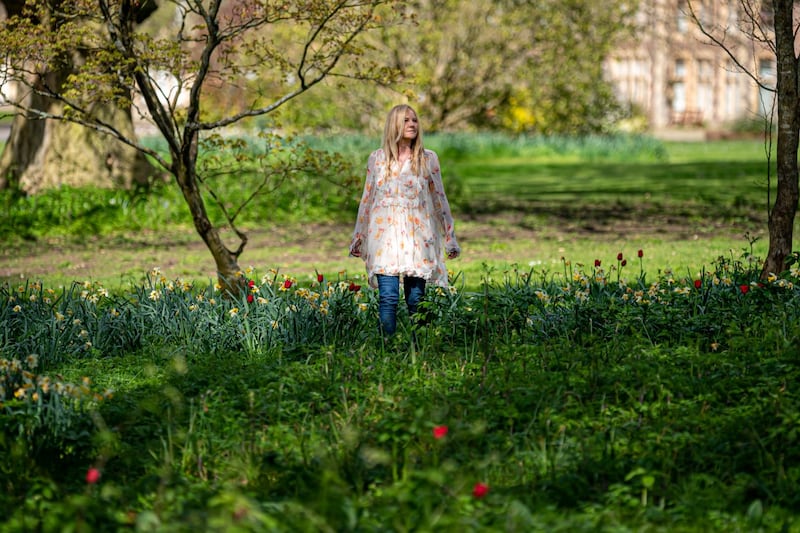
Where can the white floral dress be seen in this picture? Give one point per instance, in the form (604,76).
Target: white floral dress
(404,225)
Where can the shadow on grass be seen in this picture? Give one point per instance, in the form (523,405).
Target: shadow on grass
(606,193)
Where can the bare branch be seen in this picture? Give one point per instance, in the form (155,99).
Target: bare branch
(720,41)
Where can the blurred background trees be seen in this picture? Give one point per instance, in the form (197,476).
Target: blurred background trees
(506,65)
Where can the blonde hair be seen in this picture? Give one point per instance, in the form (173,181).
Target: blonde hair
(393,132)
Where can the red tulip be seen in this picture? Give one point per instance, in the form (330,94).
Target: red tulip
(480,490)
(250,298)
(92,476)
(640,253)
(287,284)
(439,432)
(619,256)
(698,283)
(596,263)
(744,288)
(319,278)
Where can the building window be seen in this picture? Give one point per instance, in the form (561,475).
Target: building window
(705,98)
(735,92)
(679,97)
(680,69)
(682,20)
(766,71)
(766,96)
(733,15)
(705,70)
(767,15)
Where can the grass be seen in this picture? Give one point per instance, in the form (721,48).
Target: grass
(581,403)
(540,394)
(517,201)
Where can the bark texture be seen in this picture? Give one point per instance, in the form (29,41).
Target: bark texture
(781,217)
(43,153)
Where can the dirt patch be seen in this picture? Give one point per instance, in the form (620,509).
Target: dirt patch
(323,246)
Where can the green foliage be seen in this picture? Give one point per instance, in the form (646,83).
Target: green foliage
(755,126)
(78,212)
(588,148)
(481,64)
(580,398)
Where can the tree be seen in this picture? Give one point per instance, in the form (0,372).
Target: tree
(480,63)
(214,43)
(42,153)
(773,27)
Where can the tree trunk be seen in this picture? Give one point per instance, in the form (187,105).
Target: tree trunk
(45,153)
(229,273)
(781,217)
(42,154)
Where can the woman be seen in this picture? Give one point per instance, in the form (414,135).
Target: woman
(404,225)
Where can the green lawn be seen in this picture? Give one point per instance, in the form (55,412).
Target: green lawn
(528,202)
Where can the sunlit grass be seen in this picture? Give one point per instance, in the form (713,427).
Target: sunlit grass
(516,201)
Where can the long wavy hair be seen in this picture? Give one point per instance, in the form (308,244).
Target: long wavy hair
(393,132)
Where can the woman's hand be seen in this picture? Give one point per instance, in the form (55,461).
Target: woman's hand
(355,248)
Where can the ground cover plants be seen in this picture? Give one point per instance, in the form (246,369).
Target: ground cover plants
(595,398)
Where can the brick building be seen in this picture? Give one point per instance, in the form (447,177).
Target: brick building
(670,73)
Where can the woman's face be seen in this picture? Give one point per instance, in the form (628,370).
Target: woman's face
(410,126)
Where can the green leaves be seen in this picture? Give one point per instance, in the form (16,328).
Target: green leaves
(625,400)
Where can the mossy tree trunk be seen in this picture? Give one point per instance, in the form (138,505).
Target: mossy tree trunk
(43,153)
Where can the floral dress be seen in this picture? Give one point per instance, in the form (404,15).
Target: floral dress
(404,225)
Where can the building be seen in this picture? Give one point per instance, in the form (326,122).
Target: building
(671,73)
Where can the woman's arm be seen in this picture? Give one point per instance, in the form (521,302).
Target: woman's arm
(364,208)
(441,207)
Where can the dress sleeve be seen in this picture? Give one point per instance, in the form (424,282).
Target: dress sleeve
(441,207)
(364,207)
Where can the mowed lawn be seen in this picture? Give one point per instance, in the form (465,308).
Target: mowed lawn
(719,178)
(526,203)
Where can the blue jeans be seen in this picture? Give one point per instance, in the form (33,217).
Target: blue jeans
(389,297)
